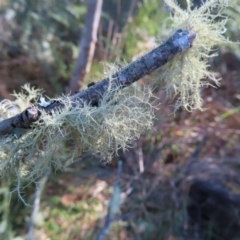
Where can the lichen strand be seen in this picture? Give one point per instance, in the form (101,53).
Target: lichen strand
(119,119)
(185,73)
(24,99)
(28,96)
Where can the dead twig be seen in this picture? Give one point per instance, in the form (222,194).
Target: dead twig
(139,174)
(36,205)
(110,218)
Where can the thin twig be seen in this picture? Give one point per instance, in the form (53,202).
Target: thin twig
(139,152)
(195,153)
(139,174)
(109,219)
(36,205)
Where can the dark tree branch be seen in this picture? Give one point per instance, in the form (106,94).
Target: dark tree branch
(179,42)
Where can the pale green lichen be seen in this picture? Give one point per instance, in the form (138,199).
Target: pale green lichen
(121,116)
(188,73)
(28,96)
(64,135)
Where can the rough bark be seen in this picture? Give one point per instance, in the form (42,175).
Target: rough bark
(86,45)
(179,42)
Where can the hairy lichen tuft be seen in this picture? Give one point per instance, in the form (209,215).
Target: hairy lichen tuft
(189,72)
(121,115)
(63,135)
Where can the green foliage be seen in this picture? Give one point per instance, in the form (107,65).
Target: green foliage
(147,19)
(47,32)
(147,24)
(233,25)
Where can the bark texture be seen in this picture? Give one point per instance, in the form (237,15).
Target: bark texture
(179,42)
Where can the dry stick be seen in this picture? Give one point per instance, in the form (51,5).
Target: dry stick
(137,176)
(179,42)
(193,157)
(87,44)
(36,205)
(109,219)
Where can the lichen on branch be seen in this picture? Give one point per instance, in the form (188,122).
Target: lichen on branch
(119,119)
(107,116)
(188,73)
(112,113)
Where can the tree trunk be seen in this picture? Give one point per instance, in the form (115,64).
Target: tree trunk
(86,45)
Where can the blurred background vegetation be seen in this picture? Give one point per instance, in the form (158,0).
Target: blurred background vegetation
(39,45)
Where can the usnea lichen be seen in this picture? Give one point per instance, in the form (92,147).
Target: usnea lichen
(119,119)
(184,75)
(28,95)
(122,115)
